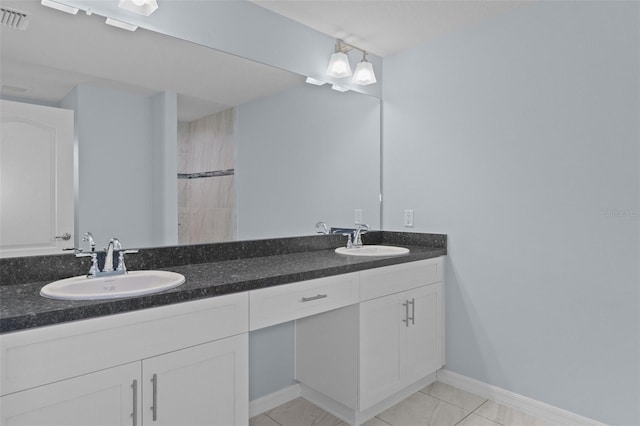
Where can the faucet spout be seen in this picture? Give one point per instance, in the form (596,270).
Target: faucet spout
(363,228)
(108,260)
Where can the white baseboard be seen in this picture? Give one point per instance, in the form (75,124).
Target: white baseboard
(519,402)
(268,402)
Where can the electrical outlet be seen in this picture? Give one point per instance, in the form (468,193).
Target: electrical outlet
(357,215)
(408,218)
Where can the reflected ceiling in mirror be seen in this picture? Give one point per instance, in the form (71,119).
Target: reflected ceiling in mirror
(58,51)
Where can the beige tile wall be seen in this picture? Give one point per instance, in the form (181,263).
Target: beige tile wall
(207,205)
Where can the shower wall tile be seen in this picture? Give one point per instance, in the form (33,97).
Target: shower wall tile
(207,205)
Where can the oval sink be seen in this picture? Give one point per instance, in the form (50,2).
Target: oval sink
(134,283)
(373,251)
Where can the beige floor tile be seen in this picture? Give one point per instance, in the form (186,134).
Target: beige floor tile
(423,410)
(508,416)
(301,412)
(454,396)
(473,420)
(371,422)
(375,422)
(262,420)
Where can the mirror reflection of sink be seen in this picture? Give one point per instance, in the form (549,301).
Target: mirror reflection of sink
(373,250)
(134,283)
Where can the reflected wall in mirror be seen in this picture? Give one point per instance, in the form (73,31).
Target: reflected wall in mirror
(179,143)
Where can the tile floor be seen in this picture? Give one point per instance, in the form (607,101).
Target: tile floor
(436,405)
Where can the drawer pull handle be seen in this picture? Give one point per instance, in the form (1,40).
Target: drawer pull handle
(413,311)
(406,313)
(309,299)
(154,408)
(134,386)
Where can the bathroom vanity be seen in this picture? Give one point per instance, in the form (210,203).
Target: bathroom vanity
(368,332)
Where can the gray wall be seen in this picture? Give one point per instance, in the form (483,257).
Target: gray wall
(121,140)
(304,155)
(519,138)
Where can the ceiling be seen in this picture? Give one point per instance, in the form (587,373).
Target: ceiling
(385,27)
(48,59)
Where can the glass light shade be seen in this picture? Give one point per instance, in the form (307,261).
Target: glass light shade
(364,74)
(339,65)
(142,7)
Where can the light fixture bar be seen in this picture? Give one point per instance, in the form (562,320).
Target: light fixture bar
(120,24)
(338,88)
(59,6)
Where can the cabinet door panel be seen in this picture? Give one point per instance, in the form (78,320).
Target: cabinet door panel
(424,335)
(382,339)
(203,385)
(104,398)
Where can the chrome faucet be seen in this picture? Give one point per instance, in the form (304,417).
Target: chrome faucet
(114,244)
(325,229)
(362,228)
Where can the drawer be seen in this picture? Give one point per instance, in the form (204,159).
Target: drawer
(274,305)
(43,355)
(380,282)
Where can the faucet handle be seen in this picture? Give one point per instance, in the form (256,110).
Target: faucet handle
(121,266)
(93,271)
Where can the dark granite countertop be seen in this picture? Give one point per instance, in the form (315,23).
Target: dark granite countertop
(22,307)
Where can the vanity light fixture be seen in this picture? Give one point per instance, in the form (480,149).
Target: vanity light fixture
(120,24)
(315,81)
(339,65)
(141,7)
(59,6)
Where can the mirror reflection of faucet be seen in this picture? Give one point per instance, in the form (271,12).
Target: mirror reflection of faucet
(325,229)
(107,269)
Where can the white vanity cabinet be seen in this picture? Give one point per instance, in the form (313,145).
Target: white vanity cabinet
(359,360)
(400,341)
(184,364)
(107,397)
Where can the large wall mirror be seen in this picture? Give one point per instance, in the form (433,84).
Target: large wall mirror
(177,143)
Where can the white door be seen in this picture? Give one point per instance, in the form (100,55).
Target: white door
(202,385)
(382,346)
(424,334)
(36,179)
(109,397)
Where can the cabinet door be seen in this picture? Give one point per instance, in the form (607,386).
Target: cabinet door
(202,385)
(382,348)
(108,397)
(425,332)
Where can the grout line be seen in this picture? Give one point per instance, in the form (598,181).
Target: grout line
(485,417)
(277,422)
(462,419)
(387,423)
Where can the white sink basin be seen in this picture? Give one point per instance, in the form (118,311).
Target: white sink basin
(134,283)
(373,251)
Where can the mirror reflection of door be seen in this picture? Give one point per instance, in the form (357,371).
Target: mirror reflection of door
(36,179)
